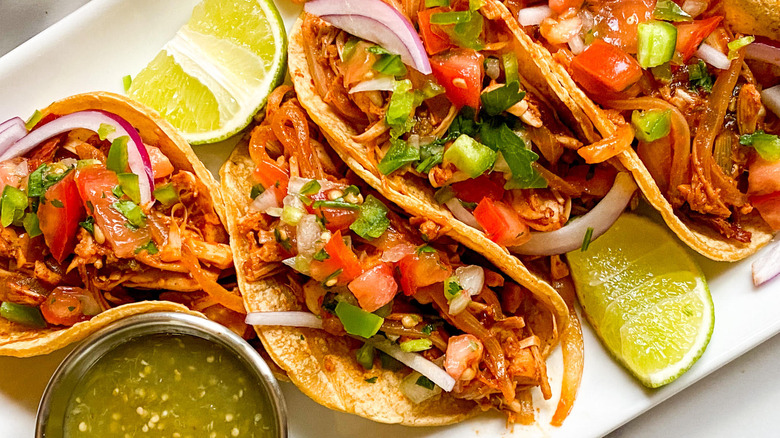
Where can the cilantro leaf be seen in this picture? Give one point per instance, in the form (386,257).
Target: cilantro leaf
(502,98)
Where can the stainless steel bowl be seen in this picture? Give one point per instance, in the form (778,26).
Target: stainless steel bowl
(52,409)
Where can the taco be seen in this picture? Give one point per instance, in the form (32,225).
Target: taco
(477,136)
(348,277)
(106,212)
(697,84)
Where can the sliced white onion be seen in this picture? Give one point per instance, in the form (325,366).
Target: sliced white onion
(713,56)
(600,218)
(534,15)
(416,362)
(284,319)
(694,7)
(265,201)
(11,134)
(459,303)
(771,98)
(461,213)
(137,156)
(767,264)
(378,22)
(416,393)
(471,278)
(395,253)
(576,44)
(307,233)
(763,52)
(379,83)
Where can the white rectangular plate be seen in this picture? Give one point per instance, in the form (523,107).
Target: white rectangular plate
(105,40)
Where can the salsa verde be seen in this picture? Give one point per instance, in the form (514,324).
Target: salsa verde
(174,386)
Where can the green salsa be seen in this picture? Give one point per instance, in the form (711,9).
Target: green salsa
(169,386)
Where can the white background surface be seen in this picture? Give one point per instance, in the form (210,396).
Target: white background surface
(740,399)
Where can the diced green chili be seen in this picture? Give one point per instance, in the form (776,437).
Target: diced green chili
(117,155)
(470,156)
(13,203)
(25,315)
(365,355)
(652,124)
(166,194)
(656,41)
(357,321)
(414,345)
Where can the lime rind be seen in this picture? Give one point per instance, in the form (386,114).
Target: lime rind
(646,299)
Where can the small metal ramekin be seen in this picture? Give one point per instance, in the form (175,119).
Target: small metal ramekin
(53,405)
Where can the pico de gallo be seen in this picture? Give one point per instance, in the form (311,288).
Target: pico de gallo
(93,218)
(368,273)
(703,99)
(493,147)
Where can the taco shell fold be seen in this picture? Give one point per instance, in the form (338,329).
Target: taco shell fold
(23,341)
(416,198)
(323,366)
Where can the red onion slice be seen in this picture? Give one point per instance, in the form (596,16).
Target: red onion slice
(534,15)
(11,131)
(416,362)
(767,265)
(713,56)
(137,156)
(380,83)
(570,237)
(284,319)
(763,52)
(12,121)
(375,21)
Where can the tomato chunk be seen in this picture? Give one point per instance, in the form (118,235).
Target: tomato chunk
(501,224)
(690,35)
(95,185)
(63,306)
(340,256)
(161,165)
(560,6)
(59,216)
(763,176)
(464,352)
(460,72)
(420,270)
(335,218)
(474,190)
(768,207)
(435,40)
(603,66)
(375,287)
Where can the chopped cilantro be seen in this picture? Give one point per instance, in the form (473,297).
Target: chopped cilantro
(372,379)
(149,247)
(88,224)
(586,239)
(425,382)
(699,77)
(399,154)
(130,210)
(321,255)
(372,220)
(502,98)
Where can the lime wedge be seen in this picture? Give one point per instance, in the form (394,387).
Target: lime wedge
(215,74)
(646,299)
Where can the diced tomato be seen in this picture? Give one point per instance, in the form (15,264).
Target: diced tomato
(267,171)
(690,35)
(616,21)
(501,224)
(435,40)
(339,257)
(335,218)
(375,287)
(63,306)
(161,165)
(603,66)
(768,207)
(460,72)
(560,6)
(463,352)
(596,182)
(763,177)
(59,216)
(95,184)
(473,190)
(420,270)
